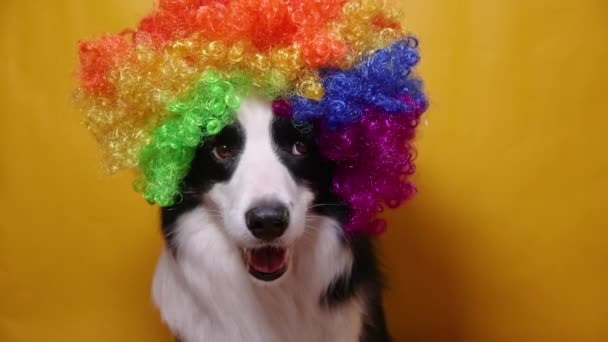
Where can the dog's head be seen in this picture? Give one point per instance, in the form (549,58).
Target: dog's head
(170,98)
(262,180)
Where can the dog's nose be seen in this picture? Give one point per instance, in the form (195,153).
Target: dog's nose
(267,221)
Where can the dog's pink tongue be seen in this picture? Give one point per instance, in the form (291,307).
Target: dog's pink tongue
(267,259)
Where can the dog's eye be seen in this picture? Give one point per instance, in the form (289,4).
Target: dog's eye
(222,152)
(299,148)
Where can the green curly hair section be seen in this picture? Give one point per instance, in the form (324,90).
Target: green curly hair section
(204,111)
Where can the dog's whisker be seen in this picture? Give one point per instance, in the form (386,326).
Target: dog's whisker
(326,205)
(308,235)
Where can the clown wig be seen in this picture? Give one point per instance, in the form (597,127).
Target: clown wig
(342,68)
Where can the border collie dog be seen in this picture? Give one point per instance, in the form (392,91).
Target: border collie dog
(255,249)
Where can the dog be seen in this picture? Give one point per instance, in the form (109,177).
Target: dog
(254,248)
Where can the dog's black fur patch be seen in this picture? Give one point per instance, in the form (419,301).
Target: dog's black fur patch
(311,168)
(366,280)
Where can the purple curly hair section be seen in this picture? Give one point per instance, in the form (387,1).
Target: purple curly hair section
(365,123)
(373,158)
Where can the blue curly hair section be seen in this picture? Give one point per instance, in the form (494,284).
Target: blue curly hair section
(379,81)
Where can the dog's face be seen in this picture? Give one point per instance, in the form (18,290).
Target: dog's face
(262,179)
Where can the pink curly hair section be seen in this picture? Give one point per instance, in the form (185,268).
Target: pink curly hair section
(374,159)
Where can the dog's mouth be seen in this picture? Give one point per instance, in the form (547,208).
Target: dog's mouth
(267,263)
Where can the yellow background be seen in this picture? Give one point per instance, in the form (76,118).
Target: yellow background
(506,240)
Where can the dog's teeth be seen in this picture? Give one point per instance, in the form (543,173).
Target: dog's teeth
(245,255)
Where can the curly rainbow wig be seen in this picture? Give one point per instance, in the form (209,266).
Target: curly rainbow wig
(153,94)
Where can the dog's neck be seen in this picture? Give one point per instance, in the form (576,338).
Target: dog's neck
(205,293)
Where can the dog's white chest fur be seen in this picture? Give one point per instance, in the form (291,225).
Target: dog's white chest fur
(205,293)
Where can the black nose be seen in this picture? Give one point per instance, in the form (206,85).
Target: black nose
(267,221)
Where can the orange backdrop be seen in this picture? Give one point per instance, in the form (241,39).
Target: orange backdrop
(506,240)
